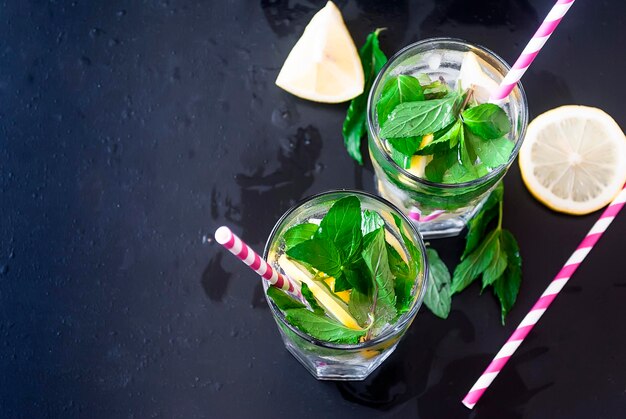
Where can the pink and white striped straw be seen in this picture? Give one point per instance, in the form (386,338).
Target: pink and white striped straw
(545,300)
(532,49)
(237,247)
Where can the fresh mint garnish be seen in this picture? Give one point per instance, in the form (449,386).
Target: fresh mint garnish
(507,286)
(355,124)
(488,121)
(404,283)
(397,90)
(299,233)
(376,259)
(283,300)
(308,296)
(342,226)
(412,119)
(493,254)
(322,327)
(322,254)
(438,297)
(370,221)
(492,153)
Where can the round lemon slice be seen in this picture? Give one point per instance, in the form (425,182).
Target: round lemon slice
(574,159)
(324,65)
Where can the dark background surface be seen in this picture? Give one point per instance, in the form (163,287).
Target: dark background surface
(129,132)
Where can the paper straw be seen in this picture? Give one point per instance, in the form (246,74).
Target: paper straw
(545,300)
(532,49)
(237,247)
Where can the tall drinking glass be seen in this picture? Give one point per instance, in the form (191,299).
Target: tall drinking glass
(440,209)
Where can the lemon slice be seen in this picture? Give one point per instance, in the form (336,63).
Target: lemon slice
(324,65)
(574,159)
(473,73)
(333,305)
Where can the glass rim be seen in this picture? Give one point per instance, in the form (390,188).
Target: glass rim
(402,320)
(377,140)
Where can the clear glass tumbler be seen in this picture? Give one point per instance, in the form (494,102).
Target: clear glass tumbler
(440,209)
(329,361)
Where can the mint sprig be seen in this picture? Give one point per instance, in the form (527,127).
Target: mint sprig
(355,124)
(322,327)
(490,253)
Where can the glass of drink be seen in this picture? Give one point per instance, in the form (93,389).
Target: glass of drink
(441,178)
(362,270)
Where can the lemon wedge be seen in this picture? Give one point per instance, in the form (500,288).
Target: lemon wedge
(333,305)
(324,65)
(473,73)
(573,159)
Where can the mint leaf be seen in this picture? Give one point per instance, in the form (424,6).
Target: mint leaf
(412,119)
(436,90)
(449,135)
(404,283)
(498,263)
(405,146)
(488,121)
(398,90)
(299,233)
(376,259)
(310,298)
(492,153)
(474,264)
(398,266)
(442,161)
(478,223)
(361,306)
(354,126)
(357,275)
(322,327)
(507,286)
(370,221)
(283,300)
(438,296)
(342,226)
(322,254)
(401,160)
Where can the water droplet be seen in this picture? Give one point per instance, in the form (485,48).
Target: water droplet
(4,269)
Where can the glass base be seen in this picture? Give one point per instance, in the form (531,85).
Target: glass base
(437,224)
(343,365)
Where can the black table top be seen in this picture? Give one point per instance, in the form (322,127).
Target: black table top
(129,132)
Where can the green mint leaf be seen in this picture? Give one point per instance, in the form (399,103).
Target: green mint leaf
(283,300)
(436,90)
(322,327)
(492,153)
(507,286)
(342,283)
(405,146)
(404,283)
(488,121)
(370,221)
(398,266)
(376,259)
(320,253)
(438,296)
(299,233)
(448,136)
(354,126)
(467,155)
(398,90)
(308,296)
(357,275)
(401,160)
(442,161)
(477,225)
(412,119)
(497,265)
(474,264)
(458,173)
(342,226)
(360,306)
